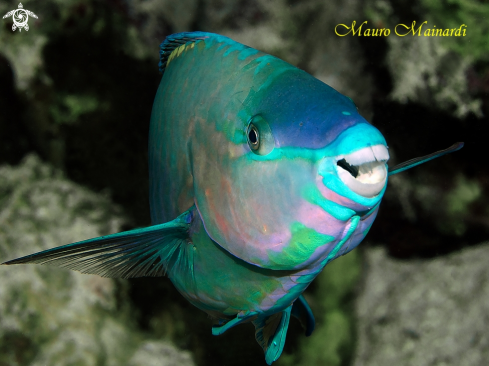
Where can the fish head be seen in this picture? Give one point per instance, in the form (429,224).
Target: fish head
(283,192)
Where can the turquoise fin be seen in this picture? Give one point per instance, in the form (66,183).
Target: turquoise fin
(423,159)
(220,329)
(302,311)
(144,252)
(270,333)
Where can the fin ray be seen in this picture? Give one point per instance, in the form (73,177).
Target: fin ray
(271,332)
(144,252)
(302,311)
(423,159)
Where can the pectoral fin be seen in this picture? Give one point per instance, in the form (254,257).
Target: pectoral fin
(423,159)
(270,333)
(220,329)
(148,252)
(302,311)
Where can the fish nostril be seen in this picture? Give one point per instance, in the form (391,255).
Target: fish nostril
(352,169)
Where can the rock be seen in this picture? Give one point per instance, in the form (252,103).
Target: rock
(424,312)
(51,316)
(154,353)
(433,70)
(424,70)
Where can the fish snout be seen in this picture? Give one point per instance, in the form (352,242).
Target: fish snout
(364,171)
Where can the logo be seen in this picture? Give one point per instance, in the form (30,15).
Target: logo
(20,18)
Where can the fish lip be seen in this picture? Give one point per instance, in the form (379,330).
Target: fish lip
(372,160)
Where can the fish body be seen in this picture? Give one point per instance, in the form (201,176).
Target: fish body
(273,211)
(260,175)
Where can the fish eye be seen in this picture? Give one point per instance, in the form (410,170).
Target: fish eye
(253,137)
(259,136)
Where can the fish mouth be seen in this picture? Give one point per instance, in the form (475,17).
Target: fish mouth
(364,171)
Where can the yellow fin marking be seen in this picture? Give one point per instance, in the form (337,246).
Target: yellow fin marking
(170,58)
(180,49)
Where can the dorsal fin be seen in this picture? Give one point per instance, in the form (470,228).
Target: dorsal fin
(172,42)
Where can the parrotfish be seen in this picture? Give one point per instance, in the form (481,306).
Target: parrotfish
(260,175)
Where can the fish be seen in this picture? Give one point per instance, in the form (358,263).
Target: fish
(260,175)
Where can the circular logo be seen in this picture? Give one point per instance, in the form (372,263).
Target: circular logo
(20,18)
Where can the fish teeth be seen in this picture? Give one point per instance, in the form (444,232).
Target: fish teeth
(368,172)
(367,155)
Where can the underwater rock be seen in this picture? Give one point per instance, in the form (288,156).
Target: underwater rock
(429,69)
(424,312)
(424,70)
(154,353)
(50,316)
